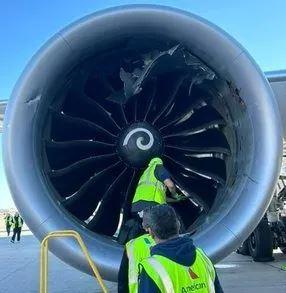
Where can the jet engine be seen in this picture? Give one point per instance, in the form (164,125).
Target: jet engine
(119,87)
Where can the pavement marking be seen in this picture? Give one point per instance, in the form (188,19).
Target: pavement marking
(226,266)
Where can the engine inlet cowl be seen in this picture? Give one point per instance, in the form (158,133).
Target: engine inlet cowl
(122,86)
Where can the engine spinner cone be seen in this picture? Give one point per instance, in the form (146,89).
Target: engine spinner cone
(139,143)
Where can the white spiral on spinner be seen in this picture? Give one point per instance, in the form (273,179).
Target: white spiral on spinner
(139,141)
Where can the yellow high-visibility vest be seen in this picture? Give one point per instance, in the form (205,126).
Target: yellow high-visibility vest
(171,277)
(14,221)
(149,188)
(8,220)
(137,249)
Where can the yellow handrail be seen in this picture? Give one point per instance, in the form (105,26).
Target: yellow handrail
(44,258)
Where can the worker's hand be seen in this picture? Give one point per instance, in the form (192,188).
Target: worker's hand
(182,197)
(177,197)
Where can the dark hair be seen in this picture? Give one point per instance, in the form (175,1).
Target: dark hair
(162,220)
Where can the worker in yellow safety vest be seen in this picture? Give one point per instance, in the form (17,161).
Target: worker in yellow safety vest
(175,264)
(135,251)
(150,191)
(8,222)
(17,224)
(151,188)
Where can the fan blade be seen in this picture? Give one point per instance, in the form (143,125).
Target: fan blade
(86,108)
(211,138)
(123,113)
(109,209)
(172,96)
(69,179)
(130,192)
(213,168)
(212,150)
(69,128)
(69,152)
(83,203)
(203,189)
(100,89)
(201,119)
(150,101)
(187,212)
(79,105)
(186,111)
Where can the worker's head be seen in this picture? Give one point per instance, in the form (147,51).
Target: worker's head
(161,222)
(155,161)
(16,214)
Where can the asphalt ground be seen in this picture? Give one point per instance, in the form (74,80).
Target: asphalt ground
(19,272)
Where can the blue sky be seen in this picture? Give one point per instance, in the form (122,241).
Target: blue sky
(260,26)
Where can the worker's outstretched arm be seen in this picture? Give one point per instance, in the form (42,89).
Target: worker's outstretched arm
(175,197)
(171,186)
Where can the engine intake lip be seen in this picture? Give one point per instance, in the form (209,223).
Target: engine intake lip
(259,139)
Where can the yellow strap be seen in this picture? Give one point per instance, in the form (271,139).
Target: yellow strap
(210,269)
(145,179)
(209,264)
(132,275)
(165,278)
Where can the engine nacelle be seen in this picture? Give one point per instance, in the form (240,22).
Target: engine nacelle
(119,87)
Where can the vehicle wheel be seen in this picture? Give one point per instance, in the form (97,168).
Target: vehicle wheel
(243,249)
(260,242)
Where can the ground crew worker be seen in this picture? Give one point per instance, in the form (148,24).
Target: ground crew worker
(175,264)
(17,224)
(8,222)
(150,191)
(135,251)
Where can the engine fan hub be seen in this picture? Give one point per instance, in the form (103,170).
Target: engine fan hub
(139,143)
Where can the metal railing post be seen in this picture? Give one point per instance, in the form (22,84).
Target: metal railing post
(44,258)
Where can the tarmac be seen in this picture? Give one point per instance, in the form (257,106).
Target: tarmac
(19,272)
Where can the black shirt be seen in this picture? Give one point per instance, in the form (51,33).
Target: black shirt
(161,173)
